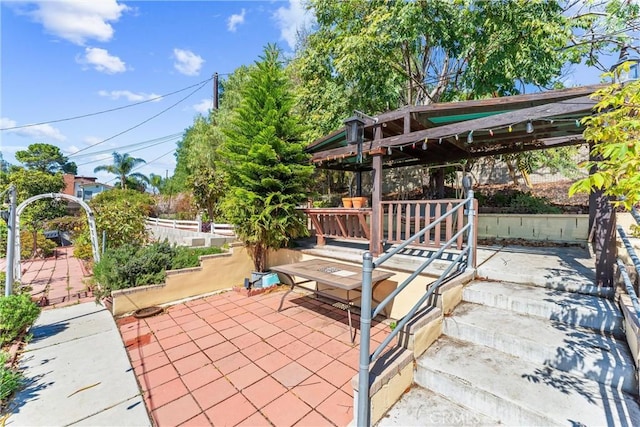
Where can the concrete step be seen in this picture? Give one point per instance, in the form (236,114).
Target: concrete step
(586,311)
(563,268)
(516,392)
(582,352)
(422,407)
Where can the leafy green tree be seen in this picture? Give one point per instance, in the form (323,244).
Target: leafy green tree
(45,158)
(32,182)
(615,134)
(196,156)
(264,160)
(121,214)
(123,166)
(156,182)
(380,55)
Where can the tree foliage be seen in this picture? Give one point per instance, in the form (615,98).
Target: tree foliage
(615,134)
(121,214)
(264,160)
(380,55)
(123,166)
(45,158)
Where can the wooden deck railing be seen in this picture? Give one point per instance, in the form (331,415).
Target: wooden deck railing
(400,220)
(403,219)
(344,223)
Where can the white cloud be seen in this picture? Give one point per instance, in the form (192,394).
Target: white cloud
(293,19)
(235,20)
(102,61)
(91,140)
(78,20)
(128,95)
(6,122)
(187,62)
(35,132)
(203,106)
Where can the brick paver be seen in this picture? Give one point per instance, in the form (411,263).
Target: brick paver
(229,359)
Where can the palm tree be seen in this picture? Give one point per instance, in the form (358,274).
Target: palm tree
(122,166)
(156,182)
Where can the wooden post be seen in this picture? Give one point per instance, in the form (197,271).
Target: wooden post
(375,243)
(602,221)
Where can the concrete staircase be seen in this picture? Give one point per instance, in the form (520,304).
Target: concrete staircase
(519,354)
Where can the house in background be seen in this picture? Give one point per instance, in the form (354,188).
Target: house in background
(83,187)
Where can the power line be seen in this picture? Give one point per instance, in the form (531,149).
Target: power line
(129,151)
(126,147)
(141,123)
(82,116)
(146,164)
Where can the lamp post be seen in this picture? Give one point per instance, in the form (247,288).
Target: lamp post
(355,135)
(633,59)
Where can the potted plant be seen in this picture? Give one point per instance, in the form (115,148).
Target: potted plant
(359,202)
(347,202)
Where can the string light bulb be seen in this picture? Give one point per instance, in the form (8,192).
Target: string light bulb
(424,144)
(510,128)
(456,136)
(470,137)
(529,127)
(491,132)
(389,150)
(577,123)
(440,141)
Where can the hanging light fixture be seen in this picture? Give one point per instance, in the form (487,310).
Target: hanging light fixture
(529,127)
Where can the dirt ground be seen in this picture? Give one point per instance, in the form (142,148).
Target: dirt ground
(557,193)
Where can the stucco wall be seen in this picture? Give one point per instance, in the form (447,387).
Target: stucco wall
(216,273)
(558,228)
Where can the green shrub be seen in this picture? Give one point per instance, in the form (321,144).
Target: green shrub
(44,247)
(528,204)
(130,266)
(17,312)
(190,257)
(10,380)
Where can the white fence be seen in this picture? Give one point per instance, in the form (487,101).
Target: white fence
(196,226)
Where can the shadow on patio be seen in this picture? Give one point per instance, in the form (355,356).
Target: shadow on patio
(229,359)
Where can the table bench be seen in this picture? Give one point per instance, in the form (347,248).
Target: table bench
(334,276)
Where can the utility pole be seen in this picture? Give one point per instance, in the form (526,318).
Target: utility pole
(11,242)
(215,91)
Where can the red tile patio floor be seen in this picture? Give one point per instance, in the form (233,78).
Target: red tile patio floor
(57,281)
(230,360)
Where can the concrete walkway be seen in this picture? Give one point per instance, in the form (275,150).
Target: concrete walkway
(77,373)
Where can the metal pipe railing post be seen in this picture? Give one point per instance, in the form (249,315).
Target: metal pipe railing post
(11,242)
(466,183)
(364,412)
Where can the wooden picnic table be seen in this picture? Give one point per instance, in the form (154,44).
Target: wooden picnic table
(334,276)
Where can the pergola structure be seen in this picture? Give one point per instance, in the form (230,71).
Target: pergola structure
(445,133)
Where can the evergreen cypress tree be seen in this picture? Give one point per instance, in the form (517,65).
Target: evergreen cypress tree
(264,159)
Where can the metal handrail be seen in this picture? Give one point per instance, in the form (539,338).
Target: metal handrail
(464,258)
(636,265)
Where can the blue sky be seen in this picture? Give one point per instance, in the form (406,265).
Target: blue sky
(67,59)
(62,60)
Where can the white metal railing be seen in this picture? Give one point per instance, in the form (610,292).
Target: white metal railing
(192,225)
